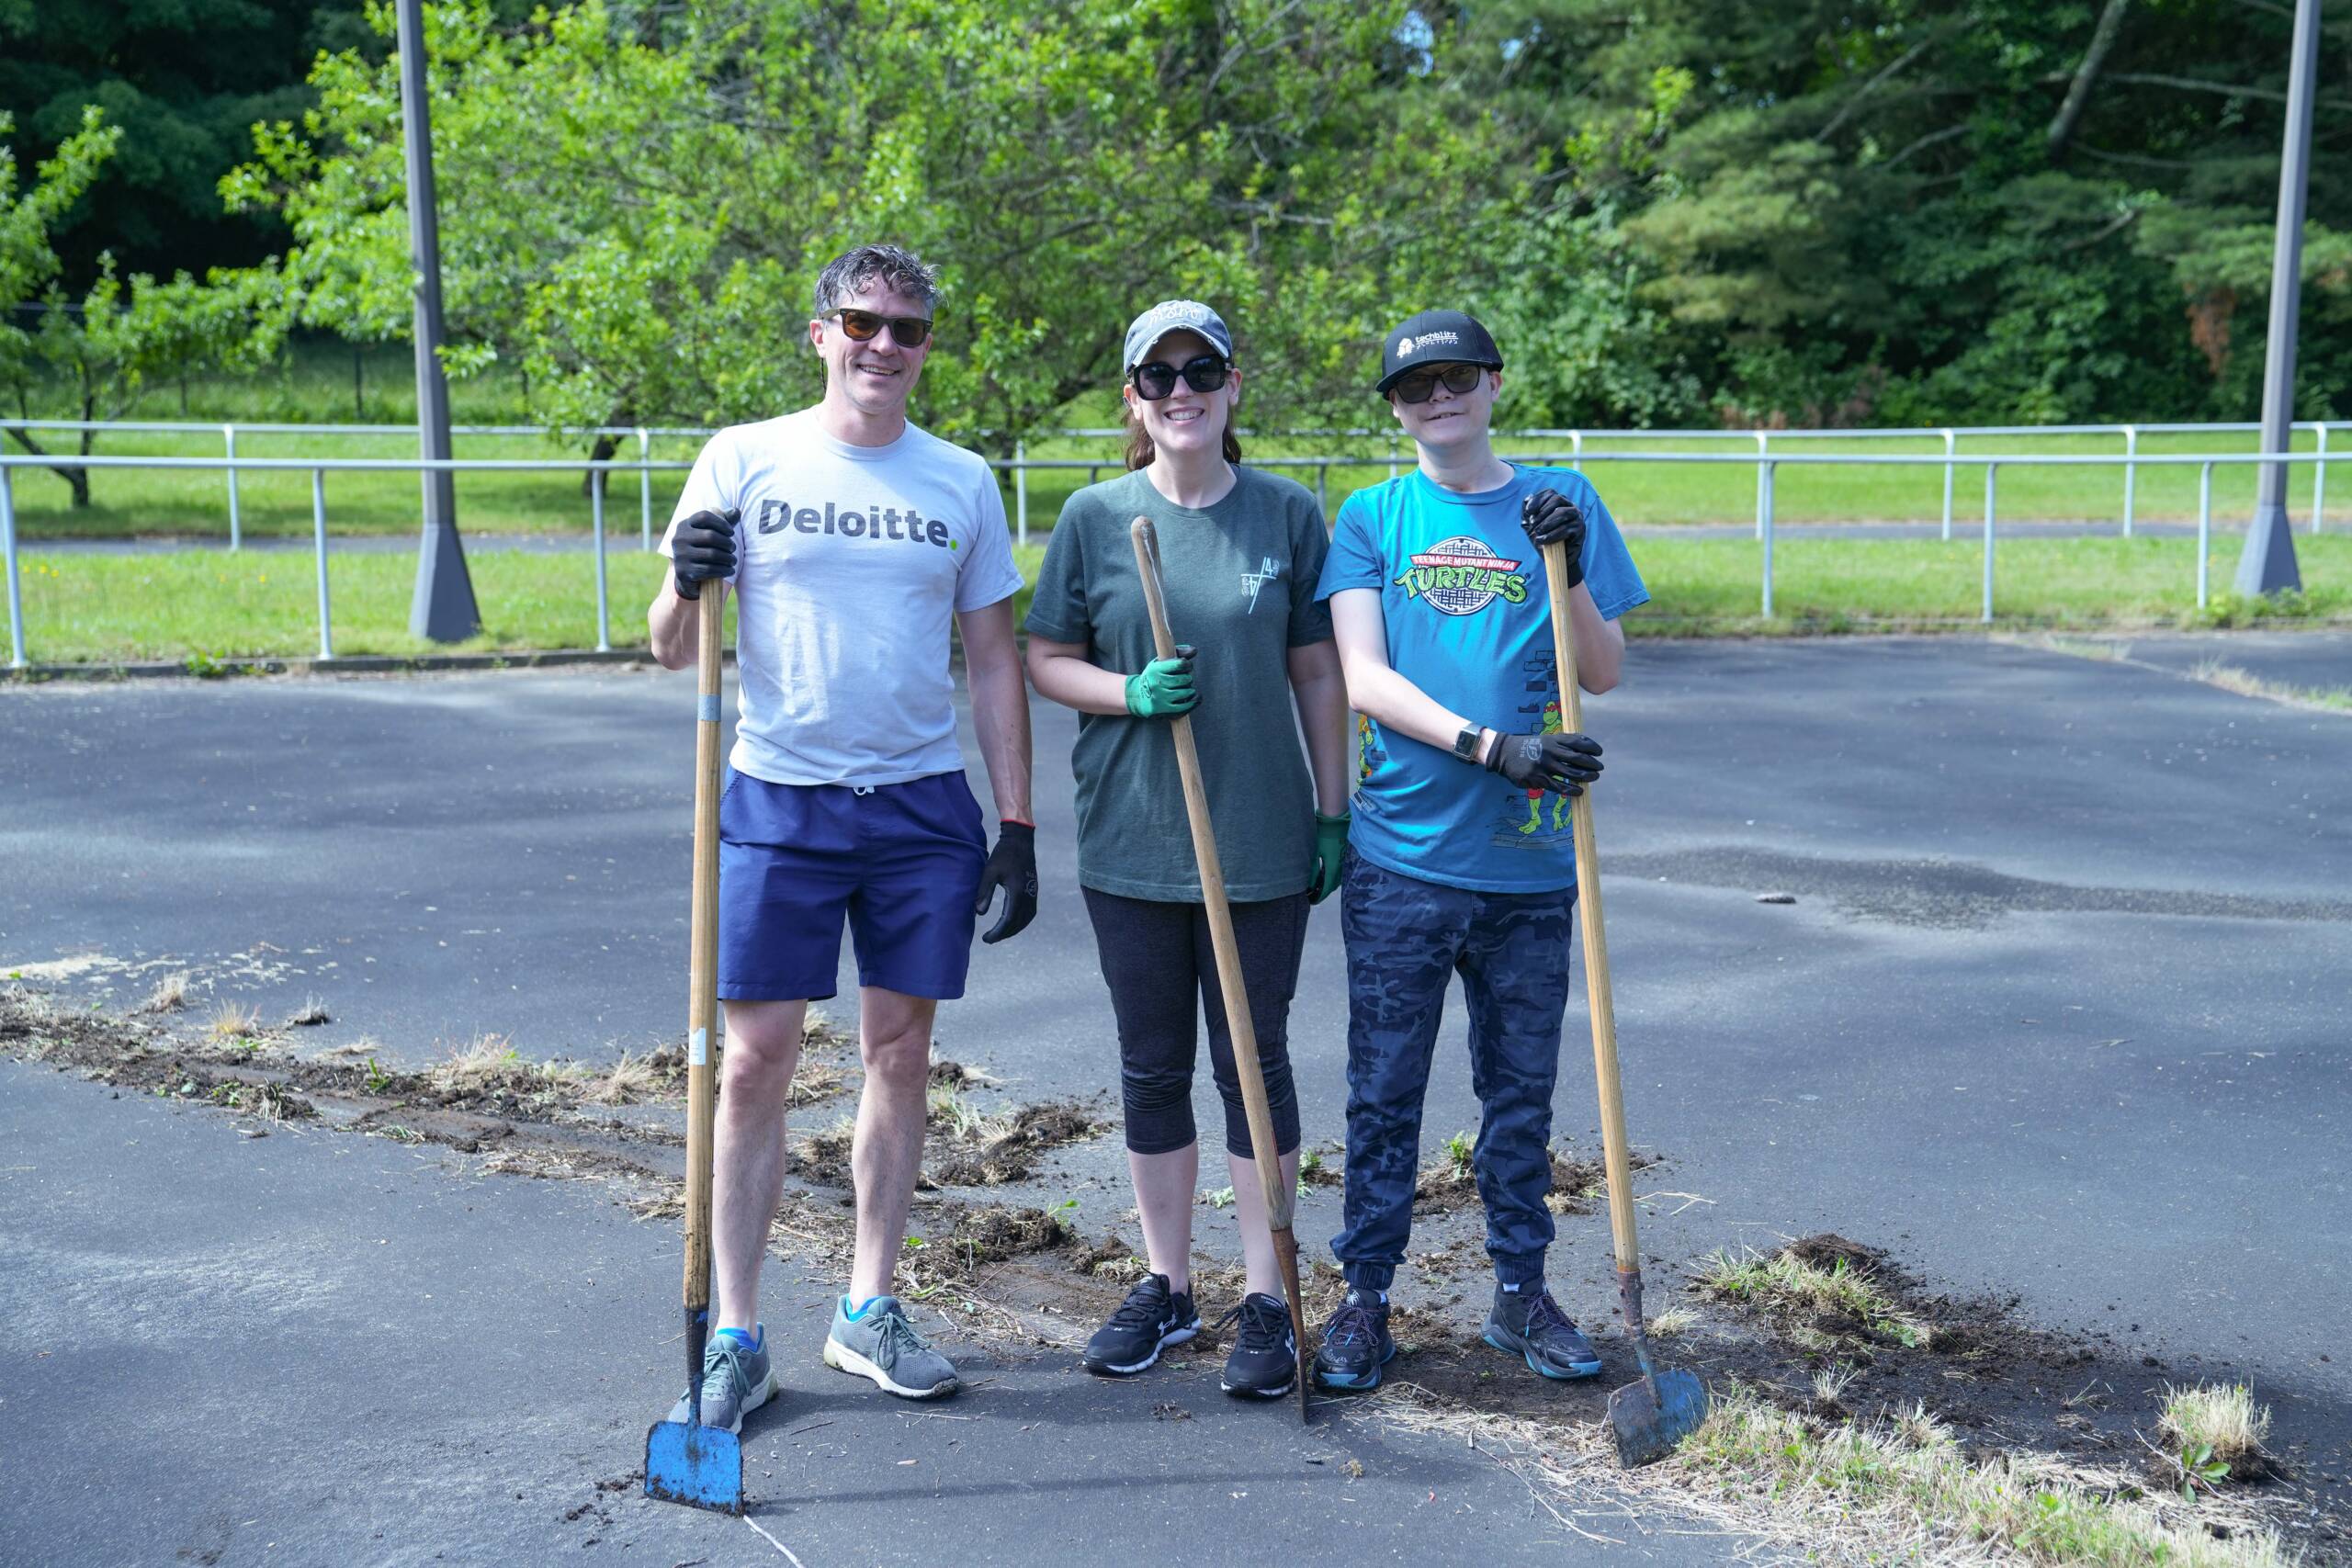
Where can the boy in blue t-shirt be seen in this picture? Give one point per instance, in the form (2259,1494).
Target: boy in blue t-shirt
(1457,862)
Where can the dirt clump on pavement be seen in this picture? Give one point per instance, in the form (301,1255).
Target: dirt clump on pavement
(1449,1182)
(994,1234)
(994,1151)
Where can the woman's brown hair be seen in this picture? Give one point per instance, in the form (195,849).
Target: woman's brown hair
(1140,451)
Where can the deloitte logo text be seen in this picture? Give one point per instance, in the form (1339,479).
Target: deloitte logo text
(875,523)
(1461,577)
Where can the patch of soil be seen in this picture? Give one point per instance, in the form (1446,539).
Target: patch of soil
(1578,1185)
(1014,1153)
(994,1234)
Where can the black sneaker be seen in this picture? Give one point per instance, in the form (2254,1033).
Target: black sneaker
(1355,1343)
(1150,1317)
(1264,1362)
(1530,1324)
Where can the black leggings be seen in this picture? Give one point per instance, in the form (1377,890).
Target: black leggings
(1158,958)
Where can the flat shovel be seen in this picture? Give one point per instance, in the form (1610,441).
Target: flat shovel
(1280,1194)
(687,1462)
(1650,1416)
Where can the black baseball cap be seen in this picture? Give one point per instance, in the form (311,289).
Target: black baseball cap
(1435,337)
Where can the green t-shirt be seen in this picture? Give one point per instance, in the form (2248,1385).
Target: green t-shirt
(1240,582)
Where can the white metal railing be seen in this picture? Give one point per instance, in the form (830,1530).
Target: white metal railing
(1767,465)
(1019,465)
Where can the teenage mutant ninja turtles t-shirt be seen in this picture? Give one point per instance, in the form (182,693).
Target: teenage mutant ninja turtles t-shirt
(851,564)
(1469,623)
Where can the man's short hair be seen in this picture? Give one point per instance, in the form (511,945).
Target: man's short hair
(901,270)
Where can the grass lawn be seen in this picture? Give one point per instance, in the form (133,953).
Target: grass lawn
(217,608)
(195,503)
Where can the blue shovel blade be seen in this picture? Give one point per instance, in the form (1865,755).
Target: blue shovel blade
(1647,1430)
(700,1466)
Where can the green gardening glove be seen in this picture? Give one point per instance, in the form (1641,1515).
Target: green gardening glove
(1164,689)
(1331,847)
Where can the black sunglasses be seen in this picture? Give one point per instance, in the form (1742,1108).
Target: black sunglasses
(1157,381)
(906,331)
(1417,387)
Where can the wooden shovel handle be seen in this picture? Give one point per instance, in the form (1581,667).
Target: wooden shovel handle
(1596,941)
(1280,1195)
(702,996)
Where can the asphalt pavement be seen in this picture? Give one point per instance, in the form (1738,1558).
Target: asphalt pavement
(2060,1010)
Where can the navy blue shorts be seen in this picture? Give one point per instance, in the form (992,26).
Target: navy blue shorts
(902,860)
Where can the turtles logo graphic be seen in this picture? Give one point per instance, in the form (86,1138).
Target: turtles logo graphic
(1462,576)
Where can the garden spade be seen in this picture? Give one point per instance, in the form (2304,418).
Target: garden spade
(687,1462)
(1280,1194)
(1650,1416)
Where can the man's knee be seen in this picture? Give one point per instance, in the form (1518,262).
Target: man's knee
(898,1054)
(762,1046)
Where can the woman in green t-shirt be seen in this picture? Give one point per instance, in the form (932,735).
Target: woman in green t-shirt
(1241,551)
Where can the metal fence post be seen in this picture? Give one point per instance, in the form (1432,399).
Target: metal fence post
(1951,445)
(644,490)
(2130,473)
(1021,491)
(1322,485)
(2204,529)
(596,526)
(319,534)
(2319,479)
(1766,493)
(16,590)
(1992,473)
(1763,444)
(1391,453)
(1576,450)
(229,435)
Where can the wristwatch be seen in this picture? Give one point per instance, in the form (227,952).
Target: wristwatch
(1465,745)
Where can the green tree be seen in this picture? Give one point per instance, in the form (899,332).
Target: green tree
(639,223)
(104,349)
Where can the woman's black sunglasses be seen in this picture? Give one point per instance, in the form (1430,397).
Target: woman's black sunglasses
(1157,381)
(906,331)
(1417,387)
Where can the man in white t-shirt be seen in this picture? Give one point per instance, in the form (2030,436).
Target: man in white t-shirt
(851,539)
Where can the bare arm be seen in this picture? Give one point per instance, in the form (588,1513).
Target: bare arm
(1062,673)
(673,626)
(1000,705)
(1320,691)
(1600,642)
(1375,690)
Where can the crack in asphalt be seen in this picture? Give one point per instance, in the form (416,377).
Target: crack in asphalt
(1951,895)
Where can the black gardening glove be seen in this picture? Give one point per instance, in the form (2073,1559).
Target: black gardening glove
(1013,867)
(1553,761)
(702,547)
(1551,518)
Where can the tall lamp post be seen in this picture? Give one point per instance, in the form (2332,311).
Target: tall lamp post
(443,608)
(2266,563)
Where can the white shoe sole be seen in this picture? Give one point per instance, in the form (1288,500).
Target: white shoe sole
(751,1401)
(841,1358)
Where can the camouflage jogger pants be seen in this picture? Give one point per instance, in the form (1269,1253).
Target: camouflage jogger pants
(1406,940)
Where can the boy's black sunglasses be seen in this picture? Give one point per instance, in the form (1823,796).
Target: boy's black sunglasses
(908,332)
(1417,387)
(1156,380)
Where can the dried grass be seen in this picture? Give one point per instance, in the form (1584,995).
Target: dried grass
(2222,1417)
(1779,1282)
(312,1013)
(2246,683)
(233,1020)
(626,1082)
(170,994)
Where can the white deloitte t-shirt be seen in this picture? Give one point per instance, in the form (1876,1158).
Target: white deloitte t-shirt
(851,562)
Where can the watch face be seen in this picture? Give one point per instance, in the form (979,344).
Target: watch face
(1465,745)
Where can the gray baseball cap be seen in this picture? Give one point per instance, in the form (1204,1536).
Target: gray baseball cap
(1174,316)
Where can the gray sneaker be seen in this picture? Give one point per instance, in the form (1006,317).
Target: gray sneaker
(884,1346)
(736,1380)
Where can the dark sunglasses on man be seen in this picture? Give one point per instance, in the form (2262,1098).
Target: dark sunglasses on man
(1417,387)
(1156,380)
(906,331)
